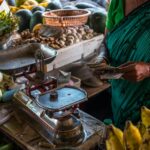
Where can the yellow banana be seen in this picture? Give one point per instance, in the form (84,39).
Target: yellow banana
(46,1)
(29,7)
(37,27)
(44,4)
(30,2)
(13,9)
(141,128)
(113,142)
(146,140)
(118,133)
(145,116)
(132,137)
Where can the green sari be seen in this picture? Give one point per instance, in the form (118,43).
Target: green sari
(130,41)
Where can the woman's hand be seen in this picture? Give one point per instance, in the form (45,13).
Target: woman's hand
(135,71)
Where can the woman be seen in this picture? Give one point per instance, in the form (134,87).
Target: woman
(128,44)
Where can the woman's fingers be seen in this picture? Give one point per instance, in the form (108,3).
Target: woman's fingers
(127,68)
(126,64)
(133,76)
(132,71)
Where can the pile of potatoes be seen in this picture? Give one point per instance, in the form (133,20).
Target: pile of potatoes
(67,37)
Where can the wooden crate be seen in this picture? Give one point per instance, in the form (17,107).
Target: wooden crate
(75,52)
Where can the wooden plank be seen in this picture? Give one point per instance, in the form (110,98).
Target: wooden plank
(27,138)
(92,91)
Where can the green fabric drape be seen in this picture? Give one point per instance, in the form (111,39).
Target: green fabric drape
(130,41)
(115,13)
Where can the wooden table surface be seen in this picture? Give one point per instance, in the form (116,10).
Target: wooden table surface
(92,91)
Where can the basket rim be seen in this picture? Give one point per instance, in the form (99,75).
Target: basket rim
(58,17)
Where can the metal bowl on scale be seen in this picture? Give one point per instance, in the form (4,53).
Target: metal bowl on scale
(22,56)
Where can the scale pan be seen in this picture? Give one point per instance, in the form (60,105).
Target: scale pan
(22,56)
(66,97)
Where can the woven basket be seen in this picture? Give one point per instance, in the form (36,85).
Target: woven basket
(66,18)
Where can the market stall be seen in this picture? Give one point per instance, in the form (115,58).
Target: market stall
(48,69)
(34,58)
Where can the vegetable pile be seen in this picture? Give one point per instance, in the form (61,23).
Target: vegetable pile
(30,12)
(8,23)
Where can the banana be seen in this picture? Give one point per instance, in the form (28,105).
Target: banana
(113,141)
(132,137)
(30,2)
(48,1)
(141,128)
(37,27)
(145,116)
(146,140)
(29,7)
(44,4)
(118,133)
(13,9)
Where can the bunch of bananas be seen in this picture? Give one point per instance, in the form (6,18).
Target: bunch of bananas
(133,137)
(27,4)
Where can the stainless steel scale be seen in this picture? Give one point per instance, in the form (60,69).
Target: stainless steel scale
(52,111)
(55,116)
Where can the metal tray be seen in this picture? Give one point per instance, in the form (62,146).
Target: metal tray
(24,55)
(67,97)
